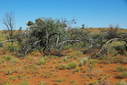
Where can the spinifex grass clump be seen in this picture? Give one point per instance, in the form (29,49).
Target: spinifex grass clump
(9,59)
(42,61)
(71,65)
(83,61)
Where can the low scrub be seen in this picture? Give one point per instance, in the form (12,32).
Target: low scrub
(71,65)
(42,61)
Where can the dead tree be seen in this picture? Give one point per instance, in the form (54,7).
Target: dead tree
(9,23)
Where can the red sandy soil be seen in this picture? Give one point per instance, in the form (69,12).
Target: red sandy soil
(27,69)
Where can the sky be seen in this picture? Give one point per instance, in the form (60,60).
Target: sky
(92,13)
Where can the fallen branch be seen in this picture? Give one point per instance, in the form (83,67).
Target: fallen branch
(104,48)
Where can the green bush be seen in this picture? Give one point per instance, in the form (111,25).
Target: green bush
(8,58)
(35,38)
(118,47)
(71,65)
(42,61)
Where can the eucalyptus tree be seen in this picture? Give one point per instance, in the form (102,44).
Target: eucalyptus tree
(45,35)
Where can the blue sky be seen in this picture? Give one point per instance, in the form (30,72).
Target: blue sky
(93,13)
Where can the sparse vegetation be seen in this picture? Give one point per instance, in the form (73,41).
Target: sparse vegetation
(42,61)
(50,51)
(83,61)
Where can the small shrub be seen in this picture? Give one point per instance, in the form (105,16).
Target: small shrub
(42,61)
(91,64)
(8,58)
(65,58)
(116,48)
(83,61)
(11,59)
(78,69)
(71,65)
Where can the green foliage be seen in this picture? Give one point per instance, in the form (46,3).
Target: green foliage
(117,48)
(71,65)
(10,58)
(42,61)
(78,34)
(43,35)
